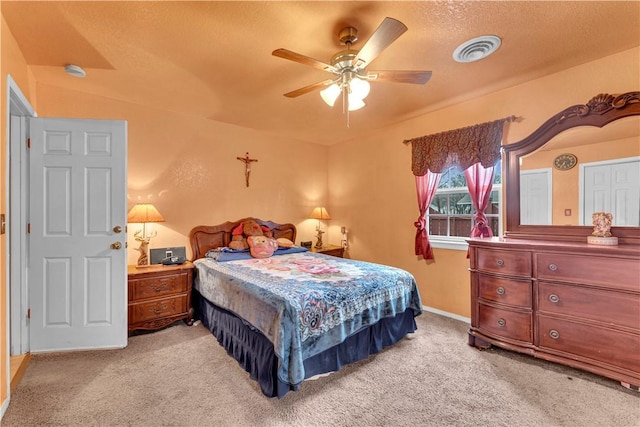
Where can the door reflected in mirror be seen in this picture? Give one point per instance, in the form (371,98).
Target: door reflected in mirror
(581,171)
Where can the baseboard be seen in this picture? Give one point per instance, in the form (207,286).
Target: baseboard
(18,368)
(447,314)
(4,407)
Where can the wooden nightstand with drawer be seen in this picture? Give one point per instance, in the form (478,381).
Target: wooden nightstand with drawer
(159,295)
(332,250)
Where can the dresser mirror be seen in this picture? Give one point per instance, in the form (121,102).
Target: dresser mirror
(545,173)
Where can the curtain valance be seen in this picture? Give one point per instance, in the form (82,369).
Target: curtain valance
(459,147)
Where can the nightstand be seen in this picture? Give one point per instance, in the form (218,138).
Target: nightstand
(159,295)
(332,250)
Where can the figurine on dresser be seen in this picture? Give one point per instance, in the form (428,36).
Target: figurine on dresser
(602,224)
(602,229)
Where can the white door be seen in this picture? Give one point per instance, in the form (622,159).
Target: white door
(535,197)
(77,257)
(612,186)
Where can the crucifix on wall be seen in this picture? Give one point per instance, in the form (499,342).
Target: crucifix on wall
(247,166)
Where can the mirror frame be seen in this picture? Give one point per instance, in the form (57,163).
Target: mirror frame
(599,111)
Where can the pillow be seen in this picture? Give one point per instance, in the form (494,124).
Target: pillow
(261,247)
(284,243)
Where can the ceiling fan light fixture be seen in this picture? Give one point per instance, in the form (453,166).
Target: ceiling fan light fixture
(355,103)
(477,48)
(330,94)
(359,88)
(351,79)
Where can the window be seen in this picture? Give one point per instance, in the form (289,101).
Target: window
(450,214)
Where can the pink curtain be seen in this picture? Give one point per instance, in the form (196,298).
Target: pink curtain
(426,186)
(480,183)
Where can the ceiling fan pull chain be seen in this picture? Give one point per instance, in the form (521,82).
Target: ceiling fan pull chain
(345,102)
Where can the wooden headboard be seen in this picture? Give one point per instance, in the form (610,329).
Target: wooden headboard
(206,237)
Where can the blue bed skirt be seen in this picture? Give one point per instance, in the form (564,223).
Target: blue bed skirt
(254,352)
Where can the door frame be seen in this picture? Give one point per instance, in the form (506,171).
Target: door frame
(17,105)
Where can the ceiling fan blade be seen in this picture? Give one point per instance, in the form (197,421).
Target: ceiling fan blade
(307,89)
(296,57)
(383,36)
(415,77)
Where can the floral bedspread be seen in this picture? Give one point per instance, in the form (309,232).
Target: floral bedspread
(306,303)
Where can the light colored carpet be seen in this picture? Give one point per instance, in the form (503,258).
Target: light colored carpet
(181,376)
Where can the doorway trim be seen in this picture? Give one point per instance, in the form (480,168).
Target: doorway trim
(17,105)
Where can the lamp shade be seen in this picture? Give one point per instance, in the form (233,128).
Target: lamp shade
(144,212)
(319,213)
(355,103)
(330,94)
(359,88)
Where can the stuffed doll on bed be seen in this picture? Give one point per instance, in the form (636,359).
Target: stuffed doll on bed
(258,239)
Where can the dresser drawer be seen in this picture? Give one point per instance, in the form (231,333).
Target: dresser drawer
(605,345)
(505,291)
(609,272)
(505,323)
(515,263)
(157,286)
(608,307)
(157,308)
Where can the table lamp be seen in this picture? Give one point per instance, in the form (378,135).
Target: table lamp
(144,213)
(319,213)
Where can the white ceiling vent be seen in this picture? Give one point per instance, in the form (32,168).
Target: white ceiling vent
(476,49)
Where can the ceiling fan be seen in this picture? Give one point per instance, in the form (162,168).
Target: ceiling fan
(351,78)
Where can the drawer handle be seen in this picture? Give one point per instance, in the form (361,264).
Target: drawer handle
(554,334)
(553,267)
(554,298)
(500,291)
(502,323)
(159,308)
(500,262)
(159,287)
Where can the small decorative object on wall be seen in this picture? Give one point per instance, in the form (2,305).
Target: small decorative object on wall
(247,166)
(319,213)
(143,213)
(602,230)
(564,162)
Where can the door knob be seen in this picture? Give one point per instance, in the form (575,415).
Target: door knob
(117,229)
(116,245)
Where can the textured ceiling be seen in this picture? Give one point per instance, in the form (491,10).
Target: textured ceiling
(213,59)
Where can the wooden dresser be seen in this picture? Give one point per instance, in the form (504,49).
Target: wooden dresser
(570,303)
(159,295)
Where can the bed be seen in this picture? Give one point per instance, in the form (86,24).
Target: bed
(297,314)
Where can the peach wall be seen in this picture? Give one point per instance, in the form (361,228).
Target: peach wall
(12,62)
(372,190)
(187,167)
